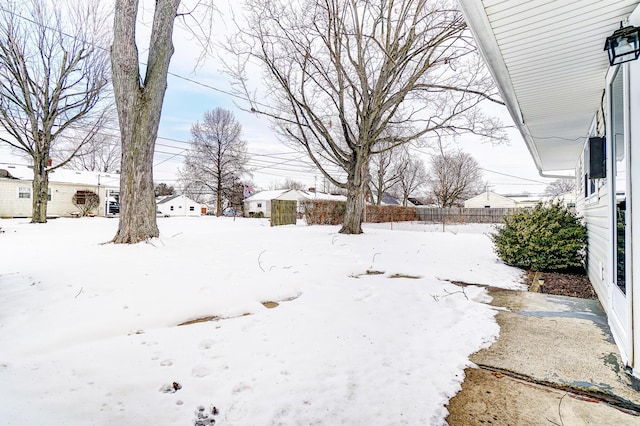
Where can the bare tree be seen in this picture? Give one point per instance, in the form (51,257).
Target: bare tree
(454,177)
(384,173)
(341,73)
(560,186)
(218,155)
(139,105)
(162,189)
(101,154)
(54,74)
(293,184)
(194,189)
(412,175)
(236,196)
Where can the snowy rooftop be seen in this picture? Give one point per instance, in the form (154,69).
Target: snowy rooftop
(61,175)
(275,193)
(323,196)
(266,195)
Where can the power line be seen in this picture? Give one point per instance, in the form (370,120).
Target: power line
(259,166)
(515,177)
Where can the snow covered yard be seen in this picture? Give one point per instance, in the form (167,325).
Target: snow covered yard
(89,332)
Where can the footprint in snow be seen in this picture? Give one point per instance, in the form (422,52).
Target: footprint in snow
(200,371)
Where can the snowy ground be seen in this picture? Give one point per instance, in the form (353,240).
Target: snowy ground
(89,332)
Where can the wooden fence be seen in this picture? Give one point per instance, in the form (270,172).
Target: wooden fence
(462,215)
(283,212)
(332,213)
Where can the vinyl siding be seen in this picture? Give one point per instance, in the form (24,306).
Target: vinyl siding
(61,198)
(594,211)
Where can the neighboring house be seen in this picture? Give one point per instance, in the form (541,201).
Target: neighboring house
(178,205)
(577,112)
(16,190)
(261,201)
(489,199)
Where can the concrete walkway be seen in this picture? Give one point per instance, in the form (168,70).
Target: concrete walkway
(555,363)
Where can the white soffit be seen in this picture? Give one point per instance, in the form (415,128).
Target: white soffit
(548,60)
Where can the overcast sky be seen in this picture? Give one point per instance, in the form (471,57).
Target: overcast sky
(192,90)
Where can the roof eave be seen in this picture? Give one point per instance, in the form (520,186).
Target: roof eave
(478,23)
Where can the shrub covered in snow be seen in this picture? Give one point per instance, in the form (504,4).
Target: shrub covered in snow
(546,238)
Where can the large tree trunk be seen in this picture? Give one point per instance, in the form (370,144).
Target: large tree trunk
(137,198)
(357,185)
(139,108)
(40,190)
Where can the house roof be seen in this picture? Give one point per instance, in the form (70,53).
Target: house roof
(547,59)
(322,196)
(266,195)
(386,198)
(490,194)
(66,176)
(167,198)
(301,194)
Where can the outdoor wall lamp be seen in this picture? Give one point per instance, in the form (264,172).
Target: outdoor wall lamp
(623,45)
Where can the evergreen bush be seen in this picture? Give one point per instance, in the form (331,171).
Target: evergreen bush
(546,238)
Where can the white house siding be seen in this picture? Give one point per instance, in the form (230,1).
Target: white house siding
(261,202)
(179,206)
(61,203)
(594,211)
(10,204)
(253,207)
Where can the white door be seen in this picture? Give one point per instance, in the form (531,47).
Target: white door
(620,287)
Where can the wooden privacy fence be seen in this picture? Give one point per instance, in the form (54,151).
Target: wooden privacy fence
(332,213)
(462,215)
(283,212)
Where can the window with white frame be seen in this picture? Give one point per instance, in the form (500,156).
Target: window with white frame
(24,192)
(192,208)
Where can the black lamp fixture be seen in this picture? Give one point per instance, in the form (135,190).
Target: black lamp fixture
(623,45)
